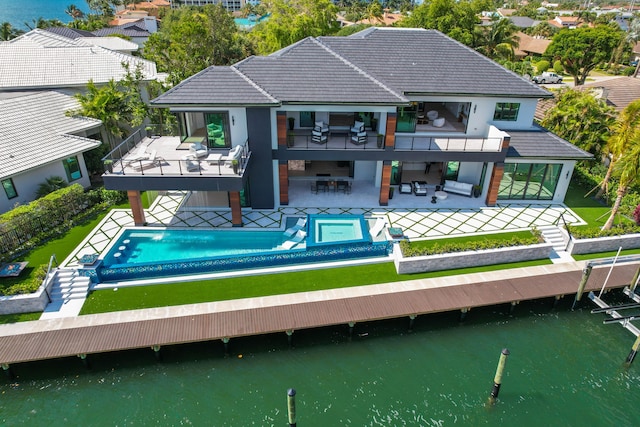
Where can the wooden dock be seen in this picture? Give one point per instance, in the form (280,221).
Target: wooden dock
(56,338)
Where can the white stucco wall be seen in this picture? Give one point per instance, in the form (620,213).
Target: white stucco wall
(26,184)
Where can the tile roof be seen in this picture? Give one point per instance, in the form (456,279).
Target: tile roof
(112,43)
(35,130)
(70,33)
(308,71)
(417,61)
(376,65)
(619,92)
(541,143)
(40,59)
(231,88)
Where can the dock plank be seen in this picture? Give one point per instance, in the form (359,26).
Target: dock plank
(55,338)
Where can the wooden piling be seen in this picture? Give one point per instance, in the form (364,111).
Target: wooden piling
(8,371)
(634,351)
(156,352)
(290,337)
(586,272)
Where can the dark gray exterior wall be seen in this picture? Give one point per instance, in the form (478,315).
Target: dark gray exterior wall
(261,165)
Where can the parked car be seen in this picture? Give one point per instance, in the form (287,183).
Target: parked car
(547,77)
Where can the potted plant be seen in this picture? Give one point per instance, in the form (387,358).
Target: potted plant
(477,191)
(149,131)
(290,139)
(235,164)
(108,165)
(380,140)
(292,123)
(374,123)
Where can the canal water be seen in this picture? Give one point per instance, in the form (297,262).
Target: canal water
(566,368)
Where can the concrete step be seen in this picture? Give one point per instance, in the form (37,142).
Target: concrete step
(553,235)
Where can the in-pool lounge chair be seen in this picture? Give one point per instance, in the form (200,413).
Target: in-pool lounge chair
(302,222)
(297,238)
(377,227)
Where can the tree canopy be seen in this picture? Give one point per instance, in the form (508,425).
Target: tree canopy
(293,20)
(580,50)
(191,40)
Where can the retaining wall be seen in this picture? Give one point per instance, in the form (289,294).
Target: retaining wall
(27,303)
(603,244)
(423,264)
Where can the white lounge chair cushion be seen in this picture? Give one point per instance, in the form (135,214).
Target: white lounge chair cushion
(297,238)
(302,222)
(377,227)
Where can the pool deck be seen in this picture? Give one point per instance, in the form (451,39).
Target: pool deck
(61,332)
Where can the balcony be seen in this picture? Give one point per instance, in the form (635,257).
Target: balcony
(140,155)
(300,139)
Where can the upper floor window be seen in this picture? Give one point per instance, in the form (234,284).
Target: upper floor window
(9,188)
(218,133)
(507,111)
(72,168)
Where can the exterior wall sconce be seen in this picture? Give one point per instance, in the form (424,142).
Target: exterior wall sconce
(233,120)
(474,108)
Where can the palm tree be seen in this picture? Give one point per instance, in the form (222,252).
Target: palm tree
(7,32)
(73,11)
(624,132)
(628,166)
(499,39)
(50,185)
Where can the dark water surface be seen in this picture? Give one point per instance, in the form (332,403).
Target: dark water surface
(565,369)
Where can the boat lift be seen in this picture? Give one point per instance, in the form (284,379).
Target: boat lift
(614,311)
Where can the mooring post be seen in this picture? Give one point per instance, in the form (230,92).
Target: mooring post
(583,282)
(497,380)
(351,326)
(8,371)
(156,352)
(556,299)
(634,281)
(85,361)
(412,320)
(513,306)
(291,406)
(634,351)
(225,341)
(463,314)
(290,337)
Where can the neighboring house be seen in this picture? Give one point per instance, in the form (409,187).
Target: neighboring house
(138,30)
(530,46)
(230,5)
(116,44)
(39,73)
(562,21)
(523,21)
(395,81)
(38,140)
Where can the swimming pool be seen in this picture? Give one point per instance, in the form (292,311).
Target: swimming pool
(144,253)
(333,229)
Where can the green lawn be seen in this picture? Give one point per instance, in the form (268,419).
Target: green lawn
(137,297)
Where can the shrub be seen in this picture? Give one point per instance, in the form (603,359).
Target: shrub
(444,247)
(542,66)
(593,232)
(27,286)
(558,68)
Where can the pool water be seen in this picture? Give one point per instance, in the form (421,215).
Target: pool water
(154,246)
(333,229)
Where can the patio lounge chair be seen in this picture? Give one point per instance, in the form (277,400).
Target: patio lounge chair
(198,150)
(420,188)
(302,222)
(141,154)
(297,238)
(405,188)
(377,227)
(234,154)
(151,161)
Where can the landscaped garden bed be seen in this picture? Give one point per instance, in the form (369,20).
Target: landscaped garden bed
(472,251)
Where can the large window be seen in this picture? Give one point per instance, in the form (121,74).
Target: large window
(72,168)
(9,188)
(533,181)
(218,133)
(506,111)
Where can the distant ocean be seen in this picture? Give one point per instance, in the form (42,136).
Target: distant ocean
(17,12)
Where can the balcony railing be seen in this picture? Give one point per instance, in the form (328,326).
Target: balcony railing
(421,143)
(301,140)
(161,158)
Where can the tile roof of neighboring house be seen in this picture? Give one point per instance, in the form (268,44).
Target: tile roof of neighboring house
(137,27)
(523,21)
(112,43)
(40,59)
(540,143)
(70,33)
(528,44)
(619,92)
(376,65)
(29,119)
(231,88)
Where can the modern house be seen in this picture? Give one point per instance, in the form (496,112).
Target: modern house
(381,107)
(39,73)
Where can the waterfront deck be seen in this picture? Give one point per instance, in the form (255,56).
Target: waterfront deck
(56,338)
